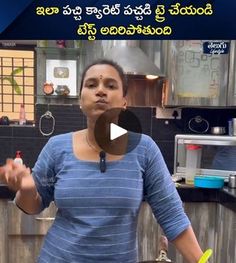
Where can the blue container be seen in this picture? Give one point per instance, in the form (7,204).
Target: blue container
(208,181)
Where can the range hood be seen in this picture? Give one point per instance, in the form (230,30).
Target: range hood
(129,55)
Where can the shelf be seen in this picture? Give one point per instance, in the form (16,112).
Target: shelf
(51,58)
(57,100)
(57,50)
(58,96)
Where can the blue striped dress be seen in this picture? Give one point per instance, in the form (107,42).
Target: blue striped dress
(97,212)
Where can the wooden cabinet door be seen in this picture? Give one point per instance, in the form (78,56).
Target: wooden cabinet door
(225,235)
(202,217)
(25,233)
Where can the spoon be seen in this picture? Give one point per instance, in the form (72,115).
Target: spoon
(206,255)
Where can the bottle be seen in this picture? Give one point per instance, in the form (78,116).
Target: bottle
(193,159)
(22,118)
(18,158)
(230,127)
(232,181)
(234,126)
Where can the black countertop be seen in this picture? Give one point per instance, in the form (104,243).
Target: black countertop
(225,196)
(5,193)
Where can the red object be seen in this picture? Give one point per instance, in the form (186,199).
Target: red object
(48,88)
(18,154)
(193,147)
(22,118)
(61,43)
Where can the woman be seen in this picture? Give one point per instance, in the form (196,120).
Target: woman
(97,212)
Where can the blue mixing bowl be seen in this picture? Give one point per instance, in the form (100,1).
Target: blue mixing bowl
(209,181)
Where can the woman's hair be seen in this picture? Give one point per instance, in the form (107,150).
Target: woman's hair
(110,63)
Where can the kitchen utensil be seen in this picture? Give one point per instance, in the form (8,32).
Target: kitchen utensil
(163,249)
(198,125)
(206,255)
(62,90)
(48,116)
(4,120)
(218,130)
(234,126)
(209,181)
(48,88)
(232,181)
(230,127)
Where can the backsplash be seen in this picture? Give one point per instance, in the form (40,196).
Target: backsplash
(215,117)
(69,118)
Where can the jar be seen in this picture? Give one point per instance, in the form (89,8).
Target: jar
(232,181)
(48,88)
(193,159)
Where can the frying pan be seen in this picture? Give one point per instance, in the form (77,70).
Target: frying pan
(163,248)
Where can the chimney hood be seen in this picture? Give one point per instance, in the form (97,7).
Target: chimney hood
(129,55)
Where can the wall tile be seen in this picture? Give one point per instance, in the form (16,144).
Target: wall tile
(30,148)
(24,132)
(163,131)
(6,149)
(215,117)
(144,114)
(167,150)
(6,130)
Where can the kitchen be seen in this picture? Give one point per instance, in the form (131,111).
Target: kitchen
(212,211)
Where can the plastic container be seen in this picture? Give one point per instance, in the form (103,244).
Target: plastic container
(18,158)
(193,159)
(234,126)
(209,181)
(22,118)
(230,127)
(232,181)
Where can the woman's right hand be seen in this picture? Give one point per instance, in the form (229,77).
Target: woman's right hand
(15,176)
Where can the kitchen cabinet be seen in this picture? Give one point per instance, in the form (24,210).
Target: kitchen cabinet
(225,244)
(3,231)
(214,225)
(202,217)
(194,76)
(22,234)
(231,100)
(148,234)
(143,92)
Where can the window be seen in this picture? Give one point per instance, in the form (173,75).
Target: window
(17,83)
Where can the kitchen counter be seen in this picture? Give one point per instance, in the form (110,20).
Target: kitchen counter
(225,196)
(215,207)
(5,193)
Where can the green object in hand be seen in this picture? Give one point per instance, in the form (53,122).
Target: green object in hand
(206,255)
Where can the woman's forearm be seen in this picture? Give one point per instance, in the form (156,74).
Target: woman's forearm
(19,179)
(188,246)
(27,198)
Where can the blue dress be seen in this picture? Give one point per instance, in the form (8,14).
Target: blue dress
(97,212)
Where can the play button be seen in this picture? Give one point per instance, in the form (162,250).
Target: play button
(117,131)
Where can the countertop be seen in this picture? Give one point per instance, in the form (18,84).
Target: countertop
(225,196)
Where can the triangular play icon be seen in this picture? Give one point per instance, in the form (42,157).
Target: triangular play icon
(116,131)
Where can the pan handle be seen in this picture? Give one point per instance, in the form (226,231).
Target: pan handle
(163,249)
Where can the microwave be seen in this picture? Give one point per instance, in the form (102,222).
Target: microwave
(212,155)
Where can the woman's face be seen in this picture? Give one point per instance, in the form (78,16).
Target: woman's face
(102,90)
